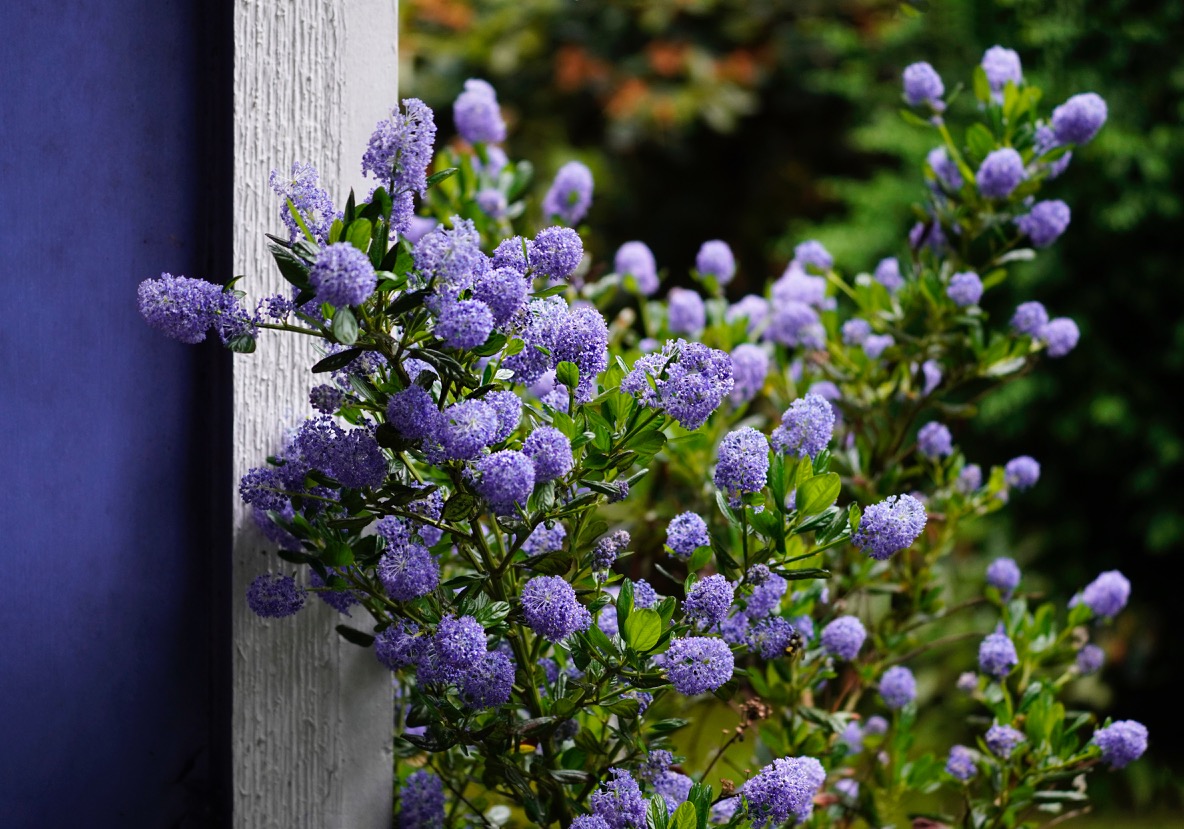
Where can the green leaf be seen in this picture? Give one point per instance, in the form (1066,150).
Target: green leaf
(459,507)
(818,493)
(292,267)
(337,554)
(982,86)
(684,817)
(979,141)
(242,344)
(647,443)
(624,603)
(657,816)
(436,178)
(642,630)
(358,234)
(355,637)
(568,373)
(914,119)
(345,326)
(699,559)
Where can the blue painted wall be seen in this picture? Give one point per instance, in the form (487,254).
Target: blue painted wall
(113,153)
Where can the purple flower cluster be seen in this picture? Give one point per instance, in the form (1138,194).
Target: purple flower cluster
(944,169)
(1060,336)
(407,570)
(686,533)
(1078,120)
(750,367)
(1029,318)
(1002,740)
(1108,594)
(618,802)
(997,655)
(413,412)
(550,452)
(399,646)
(312,202)
(555,252)
(751,308)
(890,526)
(476,113)
(674,788)
(888,274)
(687,380)
(769,637)
(185,309)
(855,331)
(876,344)
(400,148)
(570,195)
(503,290)
(1045,222)
(697,664)
(451,258)
(462,431)
(1090,659)
(421,802)
(934,440)
(505,480)
(782,790)
(898,687)
(743,465)
(1002,67)
(274,596)
(606,550)
(961,763)
(922,85)
(551,608)
(844,637)
(464,323)
(578,335)
(806,427)
(1000,173)
(489,682)
(716,259)
(637,260)
(1122,742)
(686,312)
(965,289)
(545,539)
(1022,472)
(1004,575)
(708,600)
(814,254)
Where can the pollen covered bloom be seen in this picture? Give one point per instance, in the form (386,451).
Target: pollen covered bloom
(697,664)
(708,600)
(185,309)
(806,427)
(408,571)
(844,637)
(274,596)
(1022,472)
(922,85)
(399,646)
(783,790)
(716,259)
(743,465)
(1108,594)
(505,480)
(635,259)
(898,687)
(451,257)
(503,290)
(465,323)
(413,412)
(464,429)
(312,202)
(997,656)
(489,682)
(1122,742)
(606,550)
(770,636)
(551,608)
(570,195)
(686,533)
(507,407)
(1000,173)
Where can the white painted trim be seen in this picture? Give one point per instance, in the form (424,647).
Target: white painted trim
(312,714)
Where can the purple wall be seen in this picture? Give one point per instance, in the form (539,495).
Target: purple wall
(114,152)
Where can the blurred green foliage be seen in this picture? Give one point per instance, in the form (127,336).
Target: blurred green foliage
(764,122)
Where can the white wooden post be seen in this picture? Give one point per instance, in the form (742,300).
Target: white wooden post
(312,714)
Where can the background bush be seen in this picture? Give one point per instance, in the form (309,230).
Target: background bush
(764,123)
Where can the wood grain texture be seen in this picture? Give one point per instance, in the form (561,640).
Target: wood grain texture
(312,713)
